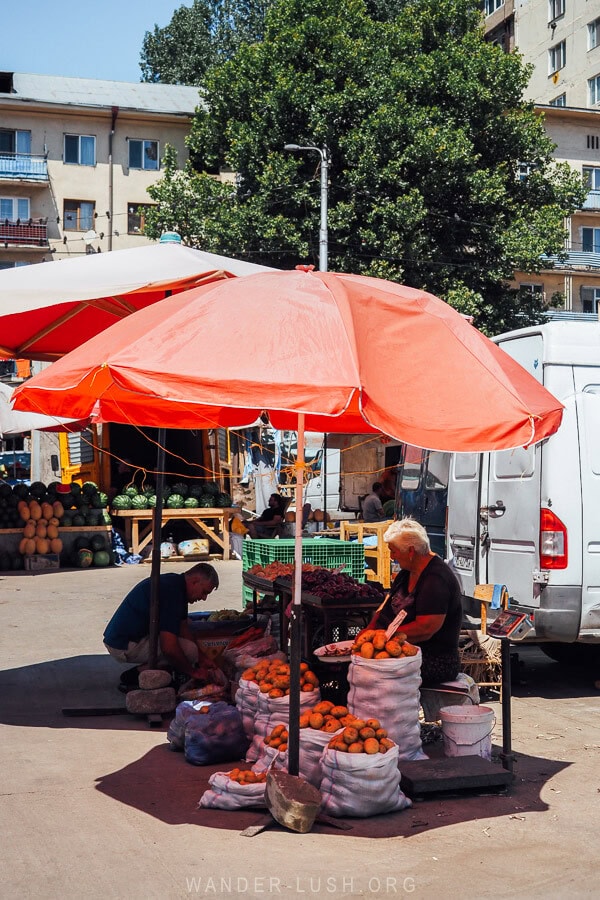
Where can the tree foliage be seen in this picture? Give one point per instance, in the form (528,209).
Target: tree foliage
(425,127)
(199,36)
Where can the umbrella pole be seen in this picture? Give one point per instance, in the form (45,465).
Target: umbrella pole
(296,618)
(156,530)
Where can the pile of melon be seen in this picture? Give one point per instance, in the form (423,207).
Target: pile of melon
(40,532)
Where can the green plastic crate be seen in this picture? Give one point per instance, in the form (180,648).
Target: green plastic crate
(349,556)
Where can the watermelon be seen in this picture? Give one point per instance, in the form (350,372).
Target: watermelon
(84,558)
(175,501)
(101,558)
(93,517)
(148,490)
(98,542)
(152,501)
(21,491)
(131,491)
(206,502)
(75,488)
(211,488)
(139,502)
(122,501)
(78,520)
(192,503)
(223,500)
(181,488)
(196,490)
(37,489)
(66,520)
(106,519)
(89,488)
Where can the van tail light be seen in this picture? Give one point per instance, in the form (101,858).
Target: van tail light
(553,541)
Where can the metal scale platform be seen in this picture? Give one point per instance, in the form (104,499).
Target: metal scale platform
(420,778)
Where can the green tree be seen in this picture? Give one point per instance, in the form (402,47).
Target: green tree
(426,130)
(199,36)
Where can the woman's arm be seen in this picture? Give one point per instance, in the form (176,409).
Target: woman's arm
(423,628)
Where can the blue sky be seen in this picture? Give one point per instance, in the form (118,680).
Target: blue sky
(85,38)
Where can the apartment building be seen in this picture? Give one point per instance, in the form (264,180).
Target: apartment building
(561,39)
(76,158)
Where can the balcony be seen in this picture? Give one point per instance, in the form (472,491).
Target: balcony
(32,233)
(592,201)
(576,261)
(23,167)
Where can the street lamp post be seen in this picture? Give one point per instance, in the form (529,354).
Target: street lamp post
(322,151)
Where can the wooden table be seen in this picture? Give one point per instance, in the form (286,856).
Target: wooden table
(138,524)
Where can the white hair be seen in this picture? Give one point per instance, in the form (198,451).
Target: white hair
(408,532)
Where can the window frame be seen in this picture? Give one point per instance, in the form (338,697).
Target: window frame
(15,133)
(557,57)
(556,10)
(134,215)
(594,89)
(591,178)
(594,299)
(594,34)
(531,287)
(15,205)
(143,142)
(595,236)
(79,137)
(491,6)
(81,224)
(560,101)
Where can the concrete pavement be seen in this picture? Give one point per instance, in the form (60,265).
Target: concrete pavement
(100,807)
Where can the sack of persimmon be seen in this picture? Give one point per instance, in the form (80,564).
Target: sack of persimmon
(273,705)
(274,751)
(360,776)
(317,726)
(384,678)
(238,789)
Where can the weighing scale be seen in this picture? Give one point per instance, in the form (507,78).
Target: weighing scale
(469,773)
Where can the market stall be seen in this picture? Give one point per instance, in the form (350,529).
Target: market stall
(212,523)
(334,383)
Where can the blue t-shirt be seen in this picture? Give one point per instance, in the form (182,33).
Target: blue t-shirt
(131,621)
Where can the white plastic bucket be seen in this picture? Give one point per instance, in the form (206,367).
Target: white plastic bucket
(467,730)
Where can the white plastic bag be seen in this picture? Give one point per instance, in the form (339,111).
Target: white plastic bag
(361,784)
(388,690)
(312,745)
(270,756)
(246,700)
(272,711)
(225,793)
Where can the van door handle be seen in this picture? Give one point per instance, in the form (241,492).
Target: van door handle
(496,511)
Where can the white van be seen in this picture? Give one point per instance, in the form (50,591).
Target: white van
(530,518)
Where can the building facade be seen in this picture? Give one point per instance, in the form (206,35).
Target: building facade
(76,159)
(561,39)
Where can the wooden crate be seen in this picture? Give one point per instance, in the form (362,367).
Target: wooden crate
(378,558)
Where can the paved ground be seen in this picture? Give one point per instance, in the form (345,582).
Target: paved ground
(100,807)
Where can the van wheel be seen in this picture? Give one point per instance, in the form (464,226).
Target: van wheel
(575,654)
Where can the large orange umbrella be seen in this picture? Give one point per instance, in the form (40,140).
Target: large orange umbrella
(321,351)
(351,353)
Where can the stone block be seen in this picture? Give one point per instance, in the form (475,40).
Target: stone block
(159,701)
(151,679)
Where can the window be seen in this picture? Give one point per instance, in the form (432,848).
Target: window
(13,208)
(593,142)
(591,178)
(556,9)
(78,215)
(143,154)
(492,5)
(531,289)
(590,298)
(12,265)
(136,217)
(80,149)
(590,240)
(559,101)
(594,34)
(557,57)
(594,90)
(525,170)
(18,142)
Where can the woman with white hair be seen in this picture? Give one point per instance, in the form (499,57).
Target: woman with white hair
(430,593)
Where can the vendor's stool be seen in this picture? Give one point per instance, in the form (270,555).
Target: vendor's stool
(447,693)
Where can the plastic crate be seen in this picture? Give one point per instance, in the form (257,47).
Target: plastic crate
(326,553)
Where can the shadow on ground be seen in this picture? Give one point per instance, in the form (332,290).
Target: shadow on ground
(36,695)
(162,784)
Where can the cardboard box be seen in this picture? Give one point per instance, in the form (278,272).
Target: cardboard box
(40,562)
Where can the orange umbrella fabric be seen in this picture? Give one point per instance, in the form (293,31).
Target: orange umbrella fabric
(353,354)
